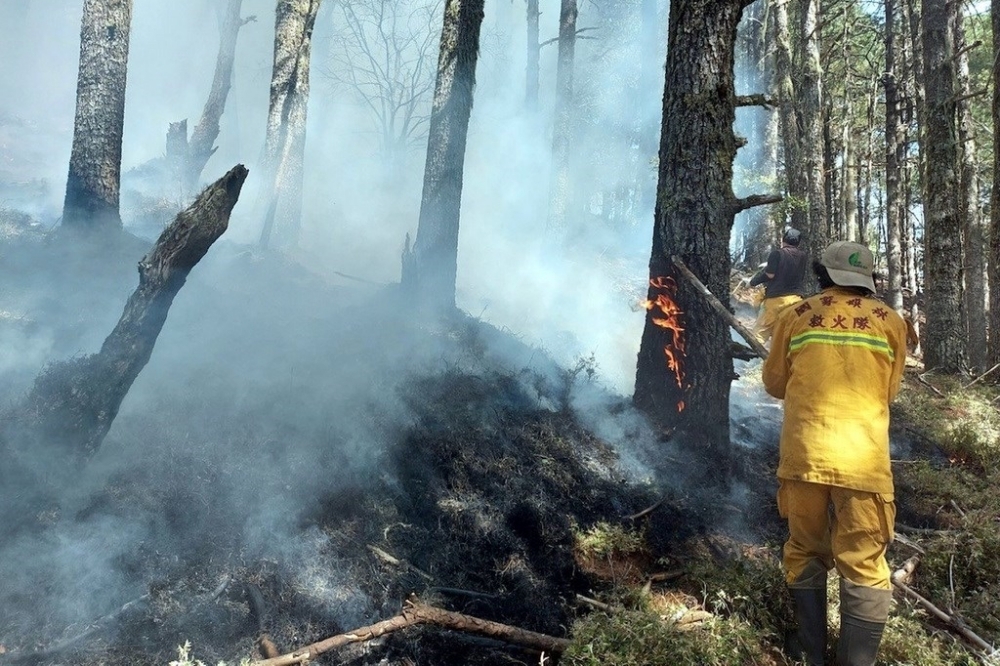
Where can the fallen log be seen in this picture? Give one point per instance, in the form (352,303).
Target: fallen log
(721,309)
(416,613)
(73,403)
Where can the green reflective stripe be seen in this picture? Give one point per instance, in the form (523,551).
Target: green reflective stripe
(847,338)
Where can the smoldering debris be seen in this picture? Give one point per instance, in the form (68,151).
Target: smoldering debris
(275,455)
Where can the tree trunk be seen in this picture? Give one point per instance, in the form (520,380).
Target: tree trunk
(994,334)
(285,140)
(533,51)
(759,156)
(975,230)
(94,180)
(944,337)
(201,146)
(810,99)
(791,133)
(560,187)
(429,271)
(895,155)
(684,368)
(849,192)
(73,404)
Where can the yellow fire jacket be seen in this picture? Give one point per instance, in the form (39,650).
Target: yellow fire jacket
(837,360)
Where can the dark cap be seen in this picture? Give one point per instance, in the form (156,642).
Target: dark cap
(792,237)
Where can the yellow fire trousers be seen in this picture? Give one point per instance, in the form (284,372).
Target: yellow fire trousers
(768,314)
(853,537)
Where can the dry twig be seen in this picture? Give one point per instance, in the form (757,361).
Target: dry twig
(416,613)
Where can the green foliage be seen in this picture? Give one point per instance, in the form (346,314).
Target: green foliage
(752,589)
(184,657)
(906,641)
(605,539)
(630,638)
(965,423)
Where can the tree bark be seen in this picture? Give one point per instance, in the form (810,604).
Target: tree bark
(810,101)
(94,180)
(73,403)
(684,368)
(760,233)
(429,271)
(975,231)
(791,132)
(560,187)
(895,155)
(285,139)
(994,261)
(944,340)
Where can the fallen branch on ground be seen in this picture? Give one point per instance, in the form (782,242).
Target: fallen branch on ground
(396,562)
(416,613)
(648,510)
(953,621)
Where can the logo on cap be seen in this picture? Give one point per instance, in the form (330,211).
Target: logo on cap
(855,260)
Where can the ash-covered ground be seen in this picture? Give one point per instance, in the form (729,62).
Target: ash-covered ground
(288,433)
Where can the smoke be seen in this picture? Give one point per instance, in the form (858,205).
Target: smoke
(275,378)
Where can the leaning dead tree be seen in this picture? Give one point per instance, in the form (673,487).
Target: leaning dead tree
(73,403)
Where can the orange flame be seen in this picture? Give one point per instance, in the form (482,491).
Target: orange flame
(667,315)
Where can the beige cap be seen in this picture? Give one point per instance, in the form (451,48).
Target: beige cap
(849,264)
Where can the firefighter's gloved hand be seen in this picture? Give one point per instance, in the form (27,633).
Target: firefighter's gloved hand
(760,278)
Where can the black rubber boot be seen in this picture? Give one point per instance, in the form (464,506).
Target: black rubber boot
(859,641)
(809,643)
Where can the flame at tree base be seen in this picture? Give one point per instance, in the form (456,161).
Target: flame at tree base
(666,314)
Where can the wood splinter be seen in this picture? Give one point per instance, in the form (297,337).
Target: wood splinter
(416,613)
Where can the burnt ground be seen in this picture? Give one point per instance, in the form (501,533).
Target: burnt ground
(287,427)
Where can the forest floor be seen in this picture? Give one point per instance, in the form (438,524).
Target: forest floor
(299,457)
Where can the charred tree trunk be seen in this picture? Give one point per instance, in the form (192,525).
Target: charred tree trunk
(974,226)
(201,146)
(560,186)
(94,181)
(895,155)
(285,141)
(791,133)
(944,340)
(534,56)
(73,403)
(684,368)
(429,271)
(810,99)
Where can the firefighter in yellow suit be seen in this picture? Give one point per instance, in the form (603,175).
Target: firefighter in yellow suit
(837,359)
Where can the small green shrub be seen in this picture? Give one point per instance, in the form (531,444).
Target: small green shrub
(633,638)
(605,539)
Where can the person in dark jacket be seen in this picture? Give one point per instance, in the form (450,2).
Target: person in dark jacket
(784,280)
